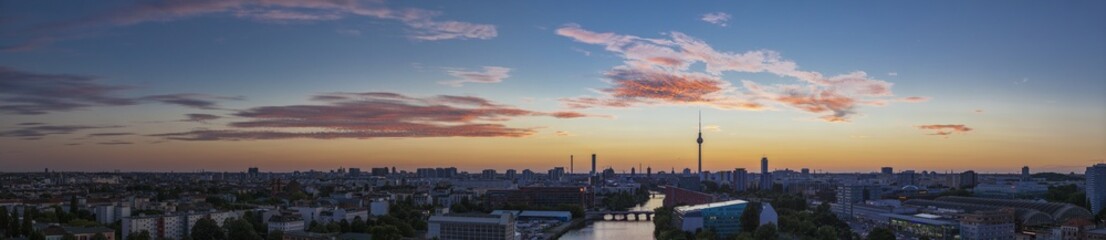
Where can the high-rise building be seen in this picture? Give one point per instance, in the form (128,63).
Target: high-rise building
(1096,187)
(887,170)
(740,180)
(472,226)
(511,174)
(527,174)
(700,142)
(968,179)
(488,174)
(354,172)
(765,176)
(571,164)
(633,172)
(379,172)
(852,194)
(906,178)
(649,172)
(556,174)
(253,172)
(1025,173)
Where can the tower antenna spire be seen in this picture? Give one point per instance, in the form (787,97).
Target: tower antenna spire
(700,142)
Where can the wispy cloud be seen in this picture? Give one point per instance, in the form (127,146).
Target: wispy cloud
(491,74)
(712,128)
(421,24)
(946,129)
(658,71)
(29,93)
(716,18)
(563,133)
(375,115)
(115,142)
(200,117)
(38,131)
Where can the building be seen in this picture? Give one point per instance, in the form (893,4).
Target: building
(380,171)
(887,170)
(541,196)
(488,174)
(1096,187)
(286,223)
(676,196)
(471,226)
(724,218)
(924,225)
(81,233)
(511,174)
(556,174)
(173,226)
(1025,173)
(765,176)
(355,172)
(1026,212)
(967,179)
(108,214)
(740,180)
(988,225)
(907,178)
(849,195)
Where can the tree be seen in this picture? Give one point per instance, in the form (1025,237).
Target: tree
(144,235)
(242,229)
(358,225)
(13,225)
(316,227)
(345,226)
(881,234)
(61,215)
(750,219)
(333,227)
(207,229)
(4,217)
(36,235)
(766,232)
(275,235)
(99,236)
(385,232)
(706,234)
(27,216)
(73,205)
(68,236)
(827,233)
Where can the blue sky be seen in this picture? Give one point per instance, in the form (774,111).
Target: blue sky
(1021,72)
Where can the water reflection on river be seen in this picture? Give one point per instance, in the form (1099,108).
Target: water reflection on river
(619,229)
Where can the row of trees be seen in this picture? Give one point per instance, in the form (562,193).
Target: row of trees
(625,200)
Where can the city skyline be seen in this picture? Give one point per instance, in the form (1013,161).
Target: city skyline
(286,86)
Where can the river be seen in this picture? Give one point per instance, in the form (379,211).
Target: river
(619,229)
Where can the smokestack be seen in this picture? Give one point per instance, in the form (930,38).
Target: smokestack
(593,164)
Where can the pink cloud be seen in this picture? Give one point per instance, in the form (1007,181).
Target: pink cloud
(657,71)
(375,115)
(946,129)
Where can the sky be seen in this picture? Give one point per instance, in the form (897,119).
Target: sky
(297,85)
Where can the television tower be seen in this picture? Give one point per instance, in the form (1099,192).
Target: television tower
(700,141)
